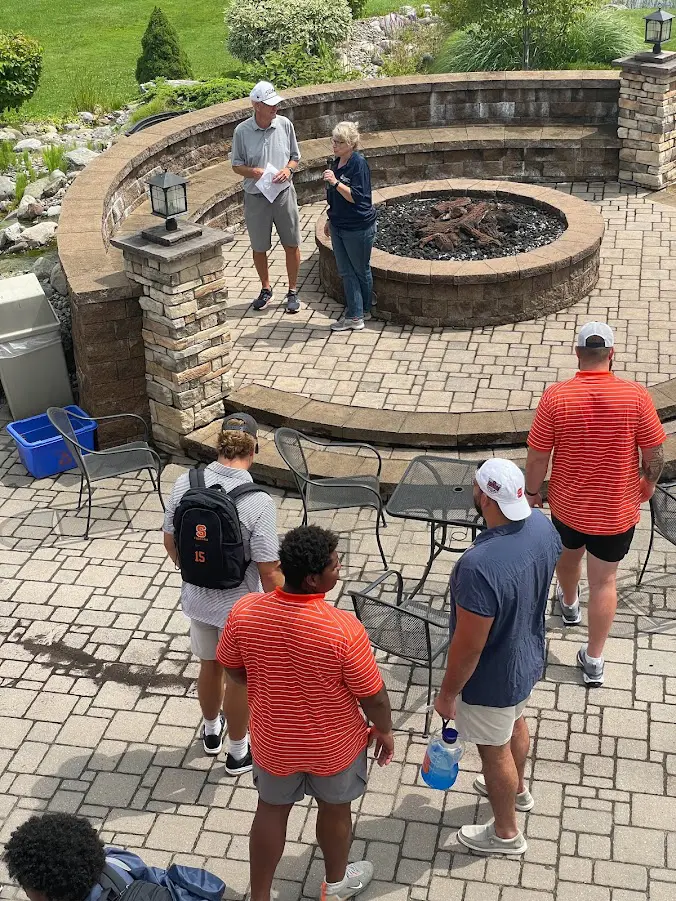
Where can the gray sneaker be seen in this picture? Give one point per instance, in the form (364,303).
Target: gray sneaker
(357,877)
(367,317)
(483,840)
(524,800)
(570,614)
(345,325)
(592,673)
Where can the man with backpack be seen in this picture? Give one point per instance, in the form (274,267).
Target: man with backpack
(221,531)
(60,857)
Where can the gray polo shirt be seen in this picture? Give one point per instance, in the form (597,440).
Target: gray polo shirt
(256,147)
(258,518)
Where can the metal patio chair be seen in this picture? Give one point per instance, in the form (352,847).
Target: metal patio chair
(662,520)
(109,463)
(402,627)
(331,493)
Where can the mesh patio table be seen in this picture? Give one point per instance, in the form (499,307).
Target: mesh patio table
(439,491)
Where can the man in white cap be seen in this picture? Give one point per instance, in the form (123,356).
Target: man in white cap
(499,590)
(268,138)
(595,424)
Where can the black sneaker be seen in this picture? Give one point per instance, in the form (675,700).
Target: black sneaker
(213,744)
(263,299)
(238,767)
(292,302)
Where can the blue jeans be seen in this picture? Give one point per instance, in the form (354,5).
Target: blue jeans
(352,250)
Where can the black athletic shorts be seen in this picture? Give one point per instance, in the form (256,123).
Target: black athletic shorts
(610,548)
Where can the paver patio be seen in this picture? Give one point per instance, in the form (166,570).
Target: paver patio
(427,370)
(98,716)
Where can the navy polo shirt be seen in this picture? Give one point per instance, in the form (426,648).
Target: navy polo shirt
(506,574)
(358,215)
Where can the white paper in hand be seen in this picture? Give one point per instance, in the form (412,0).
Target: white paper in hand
(267,187)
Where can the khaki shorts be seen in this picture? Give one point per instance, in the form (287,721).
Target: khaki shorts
(344,787)
(486,725)
(204,639)
(260,214)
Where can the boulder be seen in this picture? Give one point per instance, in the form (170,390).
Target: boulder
(86,116)
(9,134)
(53,212)
(103,133)
(55,181)
(36,189)
(29,208)
(43,267)
(39,235)
(7,187)
(10,235)
(57,280)
(28,144)
(80,157)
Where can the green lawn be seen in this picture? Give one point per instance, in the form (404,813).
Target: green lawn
(95,43)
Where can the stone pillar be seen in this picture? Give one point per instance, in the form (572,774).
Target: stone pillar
(186,337)
(646,120)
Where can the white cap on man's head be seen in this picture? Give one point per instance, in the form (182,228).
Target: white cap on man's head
(503,482)
(264,92)
(596,334)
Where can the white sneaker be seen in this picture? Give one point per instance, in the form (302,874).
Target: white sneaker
(357,877)
(345,325)
(524,800)
(570,613)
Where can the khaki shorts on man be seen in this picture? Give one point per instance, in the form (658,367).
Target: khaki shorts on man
(260,215)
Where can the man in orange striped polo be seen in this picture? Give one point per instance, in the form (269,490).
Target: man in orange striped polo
(595,424)
(310,672)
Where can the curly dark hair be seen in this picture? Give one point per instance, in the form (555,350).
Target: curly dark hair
(306,551)
(57,854)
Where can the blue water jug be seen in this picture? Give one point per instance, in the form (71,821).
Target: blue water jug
(440,766)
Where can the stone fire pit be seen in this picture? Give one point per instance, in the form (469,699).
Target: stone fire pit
(462,294)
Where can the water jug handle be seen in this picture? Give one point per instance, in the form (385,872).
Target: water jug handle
(444,723)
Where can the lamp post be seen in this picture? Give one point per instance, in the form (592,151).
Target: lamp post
(168,197)
(657,32)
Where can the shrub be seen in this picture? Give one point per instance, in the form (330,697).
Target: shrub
(257,27)
(603,35)
(161,54)
(54,157)
(292,66)
(357,7)
(20,186)
(20,67)
(7,156)
(414,49)
(163,97)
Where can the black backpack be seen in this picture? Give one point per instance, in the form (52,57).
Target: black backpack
(114,887)
(208,534)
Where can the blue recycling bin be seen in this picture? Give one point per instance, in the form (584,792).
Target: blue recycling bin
(42,450)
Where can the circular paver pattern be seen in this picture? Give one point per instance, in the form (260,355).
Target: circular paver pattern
(471,294)
(506,367)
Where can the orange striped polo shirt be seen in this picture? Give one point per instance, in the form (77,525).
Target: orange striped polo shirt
(306,664)
(595,423)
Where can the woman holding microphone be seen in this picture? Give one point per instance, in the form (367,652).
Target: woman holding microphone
(351,225)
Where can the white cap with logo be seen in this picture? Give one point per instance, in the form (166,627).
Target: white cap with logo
(264,92)
(503,482)
(596,334)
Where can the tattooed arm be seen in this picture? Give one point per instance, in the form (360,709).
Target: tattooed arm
(652,462)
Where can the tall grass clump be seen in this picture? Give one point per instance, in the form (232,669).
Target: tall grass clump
(54,157)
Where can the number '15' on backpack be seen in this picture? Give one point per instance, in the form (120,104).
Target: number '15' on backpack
(208,534)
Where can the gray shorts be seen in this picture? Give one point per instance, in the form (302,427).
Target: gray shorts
(204,639)
(344,787)
(260,214)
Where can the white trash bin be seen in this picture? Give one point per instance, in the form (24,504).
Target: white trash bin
(33,368)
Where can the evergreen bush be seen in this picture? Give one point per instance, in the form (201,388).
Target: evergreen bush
(20,68)
(161,54)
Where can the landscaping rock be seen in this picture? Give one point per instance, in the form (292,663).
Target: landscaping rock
(80,157)
(43,268)
(53,212)
(7,188)
(86,116)
(103,133)
(39,234)
(29,208)
(37,188)
(9,134)
(57,280)
(10,235)
(55,181)
(28,144)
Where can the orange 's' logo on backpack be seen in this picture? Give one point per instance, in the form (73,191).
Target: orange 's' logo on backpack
(200,533)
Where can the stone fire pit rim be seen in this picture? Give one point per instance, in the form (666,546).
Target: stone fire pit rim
(581,239)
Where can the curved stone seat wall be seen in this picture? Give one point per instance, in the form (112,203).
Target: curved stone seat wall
(107,323)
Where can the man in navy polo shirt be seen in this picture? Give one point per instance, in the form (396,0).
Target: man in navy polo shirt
(499,591)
